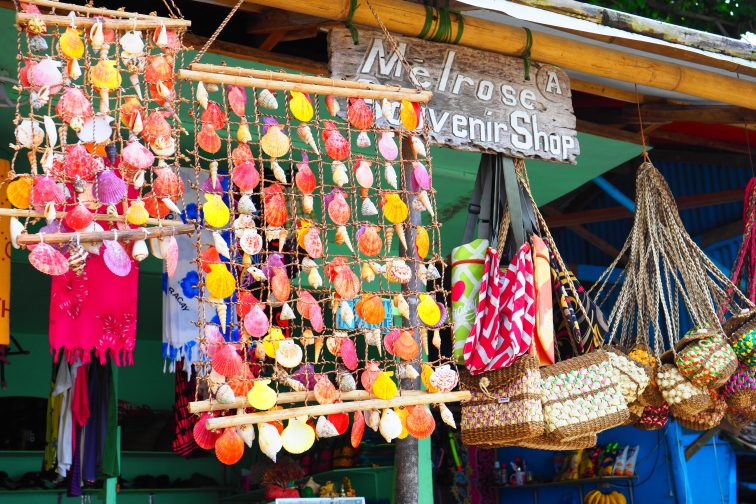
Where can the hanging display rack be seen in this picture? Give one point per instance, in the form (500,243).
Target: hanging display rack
(23,18)
(152,221)
(95,237)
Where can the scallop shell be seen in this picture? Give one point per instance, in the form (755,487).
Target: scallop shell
(215,211)
(338,208)
(312,243)
(109,188)
(390,425)
(420,176)
(269,439)
(116,258)
(325,392)
(405,347)
(237,99)
(383,386)
(420,423)
(48,260)
(170,252)
(363,174)
(346,283)
(325,429)
(444,378)
(394,209)
(337,147)
(409,114)
(29,134)
(387,146)
(250,241)
(220,282)
(19,192)
(371,372)
(369,241)
(390,338)
(348,353)
(208,140)
(398,271)
(229,447)
(359,113)
(275,143)
(298,436)
(137,214)
(280,285)
(79,218)
(256,322)
(300,106)
(227,361)
(370,309)
(131,42)
(96,130)
(358,429)
(261,396)
(288,354)
(204,438)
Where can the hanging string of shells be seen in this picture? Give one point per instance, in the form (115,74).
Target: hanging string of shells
(96,138)
(321,282)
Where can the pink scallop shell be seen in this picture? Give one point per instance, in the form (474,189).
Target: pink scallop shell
(312,243)
(387,147)
(48,260)
(420,175)
(256,323)
(390,338)
(109,188)
(363,173)
(213,341)
(171,256)
(116,258)
(227,361)
(348,354)
(250,242)
(237,99)
(246,176)
(46,191)
(316,318)
(204,438)
(338,208)
(137,155)
(305,302)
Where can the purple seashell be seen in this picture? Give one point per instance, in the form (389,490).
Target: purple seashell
(207,185)
(274,261)
(305,158)
(305,374)
(329,197)
(444,316)
(109,188)
(360,231)
(268,121)
(56,226)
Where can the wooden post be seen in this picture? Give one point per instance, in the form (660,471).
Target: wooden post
(406,455)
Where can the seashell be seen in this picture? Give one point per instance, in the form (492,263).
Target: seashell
(220,245)
(226,361)
(38,44)
(286,312)
(274,203)
(394,208)
(19,191)
(73,69)
(222,311)
(402,305)
(388,149)
(201,95)
(250,241)
(45,74)
(256,322)
(419,147)
(297,437)
(387,109)
(369,241)
(208,140)
(220,282)
(48,260)
(109,188)
(139,250)
(424,199)
(278,172)
(359,113)
(346,283)
(204,438)
(247,433)
(131,42)
(402,413)
(362,173)
(409,114)
(229,447)
(366,273)
(288,354)
(214,116)
(280,285)
(420,423)
(398,271)
(373,419)
(363,140)
(339,174)
(79,218)
(447,416)
(368,207)
(444,378)
(345,380)
(155,127)
(333,343)
(305,179)
(237,99)
(325,429)
(390,425)
(51,133)
(337,147)
(325,392)
(389,173)
(300,106)
(29,134)
(170,253)
(215,211)
(39,99)
(137,213)
(96,36)
(383,386)
(342,237)
(305,134)
(369,375)
(245,206)
(428,310)
(314,279)
(332,105)
(407,371)
(245,176)
(346,313)
(338,208)
(348,353)
(269,439)
(243,135)
(261,396)
(16,228)
(266,100)
(71,43)
(116,258)
(373,338)
(224,394)
(271,341)
(370,309)
(358,429)
(420,176)
(318,347)
(340,421)
(405,347)
(274,143)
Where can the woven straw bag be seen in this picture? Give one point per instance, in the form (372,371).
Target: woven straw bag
(740,390)
(705,358)
(681,395)
(582,396)
(643,355)
(634,377)
(740,330)
(653,418)
(505,404)
(706,419)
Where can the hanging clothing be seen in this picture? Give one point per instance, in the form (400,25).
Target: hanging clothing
(183,442)
(94,311)
(64,387)
(95,432)
(110,459)
(54,410)
(80,415)
(544,323)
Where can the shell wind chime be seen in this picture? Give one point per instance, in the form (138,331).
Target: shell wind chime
(95,151)
(307,293)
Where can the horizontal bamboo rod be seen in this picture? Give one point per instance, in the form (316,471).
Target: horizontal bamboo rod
(299,78)
(285,398)
(17,212)
(408,18)
(91,10)
(277,85)
(115,24)
(98,236)
(328,409)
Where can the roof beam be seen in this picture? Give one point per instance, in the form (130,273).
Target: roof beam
(665,113)
(587,235)
(408,18)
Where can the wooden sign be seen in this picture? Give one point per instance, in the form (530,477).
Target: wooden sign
(481,100)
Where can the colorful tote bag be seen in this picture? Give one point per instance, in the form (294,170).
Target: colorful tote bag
(467,272)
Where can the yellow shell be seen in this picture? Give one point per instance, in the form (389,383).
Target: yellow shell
(220,282)
(422,242)
(275,143)
(137,214)
(105,75)
(19,191)
(402,413)
(71,44)
(298,437)
(215,211)
(395,209)
(261,396)
(408,116)
(270,341)
(383,386)
(302,226)
(428,310)
(425,374)
(300,106)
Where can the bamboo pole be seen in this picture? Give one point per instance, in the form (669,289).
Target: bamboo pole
(328,409)
(285,398)
(116,24)
(98,236)
(17,212)
(408,19)
(86,9)
(371,91)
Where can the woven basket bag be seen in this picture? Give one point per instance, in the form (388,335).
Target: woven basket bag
(705,358)
(643,355)
(634,377)
(582,396)
(653,418)
(505,404)
(706,419)
(740,390)
(740,330)
(681,395)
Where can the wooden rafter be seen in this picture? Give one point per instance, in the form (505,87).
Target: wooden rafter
(587,235)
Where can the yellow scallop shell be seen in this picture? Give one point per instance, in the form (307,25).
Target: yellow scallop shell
(137,214)
(303,226)
(297,437)
(422,242)
(215,211)
(428,310)
(395,209)
(220,282)
(71,43)
(407,114)
(425,373)
(19,191)
(300,106)
(270,341)
(402,413)
(275,143)
(383,386)
(261,396)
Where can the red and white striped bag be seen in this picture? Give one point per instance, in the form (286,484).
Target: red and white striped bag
(505,320)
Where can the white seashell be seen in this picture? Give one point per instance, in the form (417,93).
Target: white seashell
(324,428)
(220,245)
(246,432)
(16,228)
(132,43)
(250,241)
(278,172)
(29,134)
(96,36)
(138,180)
(39,99)
(245,206)
(419,147)
(447,416)
(96,129)
(368,208)
(93,247)
(339,174)
(346,313)
(267,100)
(50,131)
(201,95)
(402,305)
(308,264)
(305,134)
(161,36)
(387,109)
(373,419)
(425,200)
(155,248)
(390,425)
(314,279)
(257,273)
(307,203)
(434,274)
(286,312)
(139,250)
(342,236)
(270,440)
(224,394)
(363,140)
(390,174)
(408,371)
(344,379)
(288,354)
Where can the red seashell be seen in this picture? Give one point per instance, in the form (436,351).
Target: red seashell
(167,184)
(390,338)
(159,68)
(346,283)
(348,354)
(337,147)
(229,447)
(74,103)
(155,126)
(359,113)
(45,191)
(245,301)
(155,206)
(214,115)
(237,99)
(305,302)
(204,438)
(79,218)
(333,267)
(227,361)
(340,421)
(274,202)
(280,285)
(79,163)
(209,256)
(304,178)
(208,139)
(316,319)
(358,429)
(246,176)
(420,423)
(242,153)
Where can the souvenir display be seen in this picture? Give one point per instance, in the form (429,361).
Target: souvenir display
(308,252)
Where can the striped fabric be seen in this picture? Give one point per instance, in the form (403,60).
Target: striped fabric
(505,321)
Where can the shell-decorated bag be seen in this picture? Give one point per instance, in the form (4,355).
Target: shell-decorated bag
(505,405)
(740,330)
(706,419)
(704,357)
(653,417)
(582,396)
(634,377)
(643,355)
(683,397)
(740,390)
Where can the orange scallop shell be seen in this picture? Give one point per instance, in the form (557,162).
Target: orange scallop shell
(420,422)
(346,283)
(359,113)
(159,68)
(369,242)
(241,153)
(214,115)
(229,448)
(370,309)
(208,139)
(276,212)
(280,285)
(242,383)
(405,346)
(312,243)
(338,209)
(358,429)
(325,391)
(19,191)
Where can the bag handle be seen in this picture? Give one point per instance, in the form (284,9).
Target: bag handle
(475,208)
(514,202)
